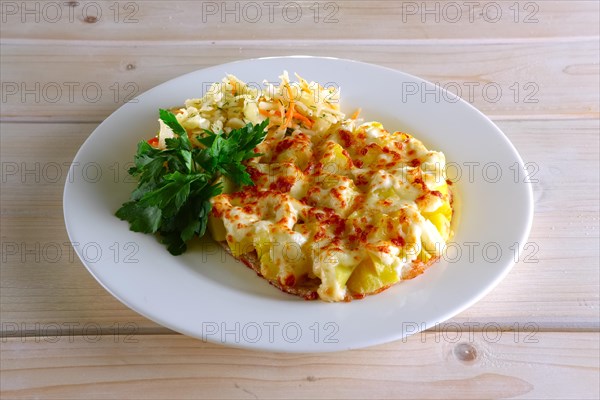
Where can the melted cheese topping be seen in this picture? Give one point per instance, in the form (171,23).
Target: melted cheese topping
(362,193)
(351,205)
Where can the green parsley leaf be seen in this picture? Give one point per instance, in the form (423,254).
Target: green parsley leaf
(171,121)
(140,218)
(226,152)
(175,184)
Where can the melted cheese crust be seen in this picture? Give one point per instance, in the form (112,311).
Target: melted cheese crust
(357,207)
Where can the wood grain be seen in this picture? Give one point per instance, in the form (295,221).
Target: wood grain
(546,365)
(525,80)
(153,20)
(536,335)
(41,285)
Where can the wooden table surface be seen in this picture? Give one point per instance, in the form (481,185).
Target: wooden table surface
(532,66)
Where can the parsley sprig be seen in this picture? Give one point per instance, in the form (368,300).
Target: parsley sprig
(175,184)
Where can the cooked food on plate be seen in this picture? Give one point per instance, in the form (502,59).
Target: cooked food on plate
(321,205)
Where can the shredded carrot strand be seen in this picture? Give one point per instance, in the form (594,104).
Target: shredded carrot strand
(308,122)
(290,112)
(268,113)
(232,83)
(356,113)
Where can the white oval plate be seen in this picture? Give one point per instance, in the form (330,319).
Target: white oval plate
(208,295)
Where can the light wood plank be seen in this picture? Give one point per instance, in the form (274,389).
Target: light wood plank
(547,308)
(339,20)
(565,228)
(535,79)
(44,281)
(559,291)
(548,365)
